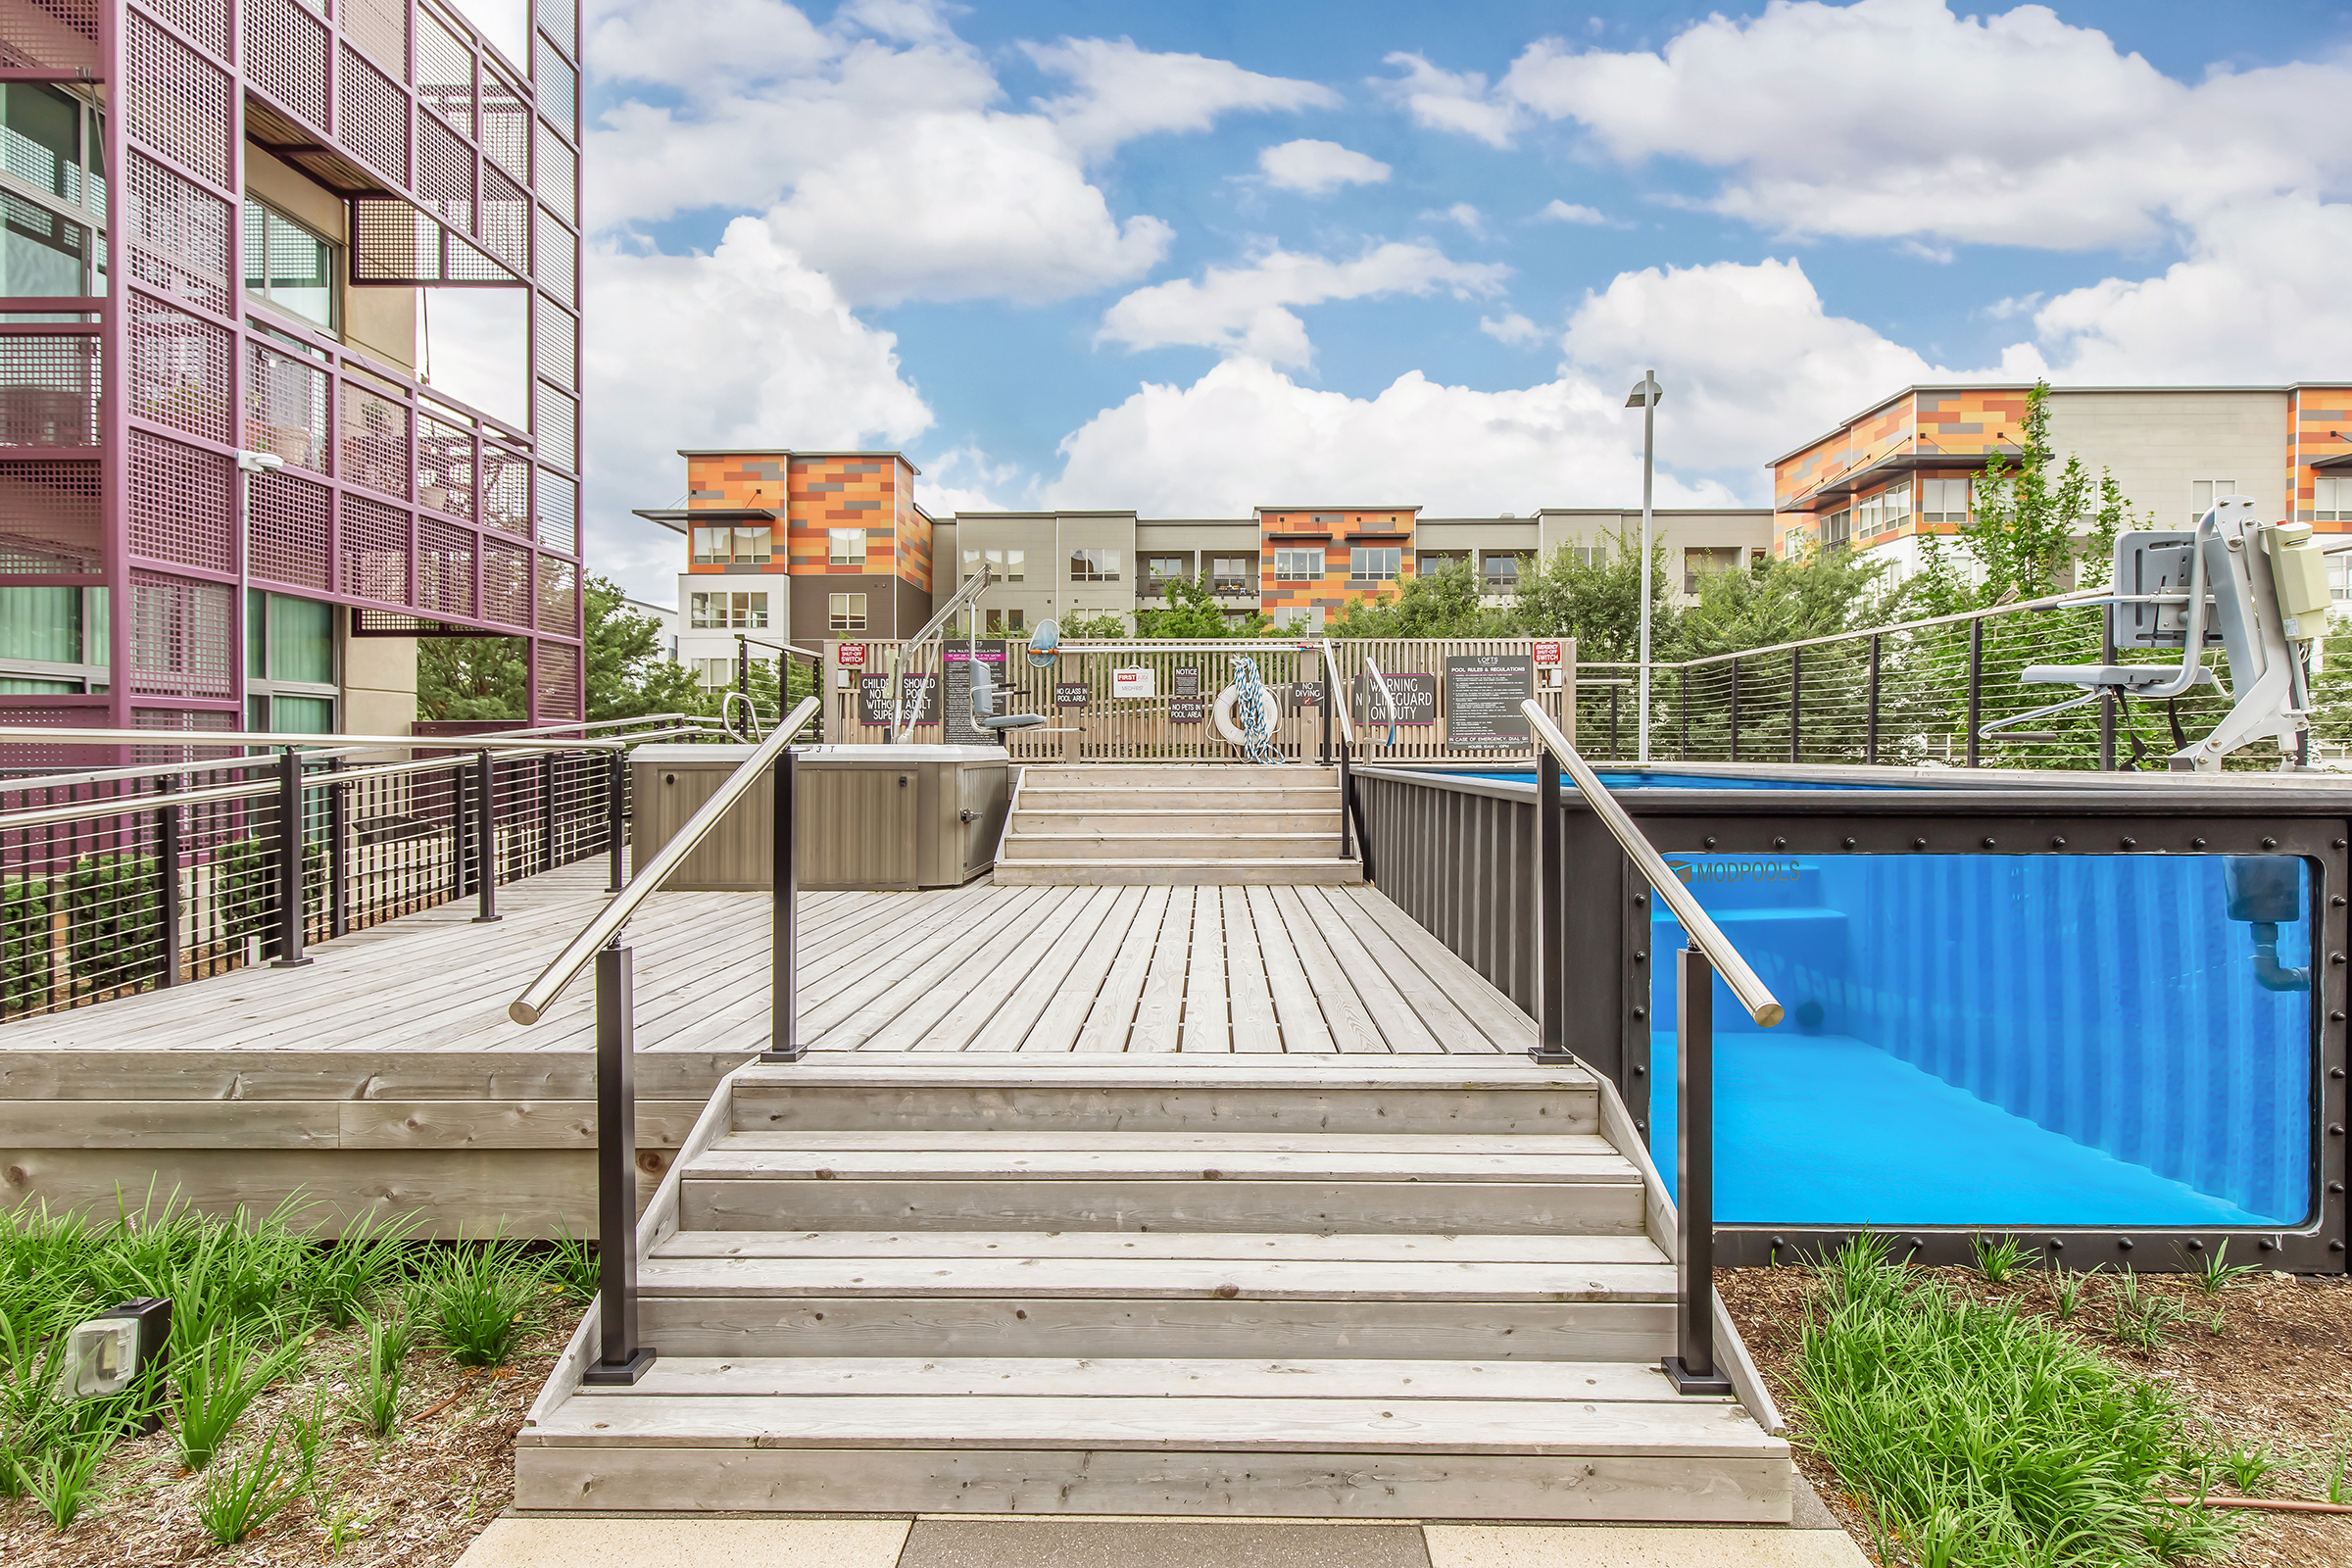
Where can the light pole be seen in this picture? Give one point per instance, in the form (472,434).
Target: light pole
(1645,398)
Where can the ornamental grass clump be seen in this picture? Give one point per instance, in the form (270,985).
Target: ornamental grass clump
(475,1299)
(1975,1435)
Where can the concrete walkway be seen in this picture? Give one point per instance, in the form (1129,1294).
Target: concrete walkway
(943,1540)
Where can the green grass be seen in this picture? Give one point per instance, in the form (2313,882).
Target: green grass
(1978,1436)
(2000,1261)
(2216,1274)
(247,1491)
(474,1300)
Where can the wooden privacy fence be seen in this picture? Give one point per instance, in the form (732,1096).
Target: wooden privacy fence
(1155,700)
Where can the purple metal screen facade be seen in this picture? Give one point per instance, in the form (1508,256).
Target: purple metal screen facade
(118,433)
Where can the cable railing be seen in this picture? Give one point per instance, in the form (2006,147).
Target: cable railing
(1706,953)
(621,1359)
(119,880)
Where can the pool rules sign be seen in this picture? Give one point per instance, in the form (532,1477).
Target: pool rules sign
(1483,694)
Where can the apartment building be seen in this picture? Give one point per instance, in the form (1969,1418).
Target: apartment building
(231,495)
(1907,466)
(787,547)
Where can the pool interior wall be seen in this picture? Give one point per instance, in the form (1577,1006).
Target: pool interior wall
(1991,1040)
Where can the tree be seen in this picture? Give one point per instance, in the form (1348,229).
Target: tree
(628,672)
(1819,594)
(1595,598)
(1111,627)
(1445,602)
(1193,611)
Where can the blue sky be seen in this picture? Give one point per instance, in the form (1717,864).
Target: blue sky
(1186,258)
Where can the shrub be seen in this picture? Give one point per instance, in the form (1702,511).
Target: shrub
(246,1493)
(25,942)
(113,919)
(475,1301)
(218,1377)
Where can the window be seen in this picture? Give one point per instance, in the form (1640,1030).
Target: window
(845,547)
(1502,574)
(1709,561)
(289,663)
(1882,513)
(726,611)
(1589,554)
(844,611)
(1298,565)
(1094,566)
(1375,563)
(40,138)
(1943,501)
(713,673)
(2339,577)
(44,626)
(289,266)
(1009,565)
(40,252)
(724,546)
(2332,501)
(1837,529)
(1232,574)
(1165,570)
(1004,620)
(2203,493)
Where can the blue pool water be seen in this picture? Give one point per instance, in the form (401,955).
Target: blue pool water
(1999,1041)
(1648,780)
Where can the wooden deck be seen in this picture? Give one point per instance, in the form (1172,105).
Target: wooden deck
(386,1074)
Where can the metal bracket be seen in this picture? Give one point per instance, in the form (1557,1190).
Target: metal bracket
(620,1374)
(1686,1381)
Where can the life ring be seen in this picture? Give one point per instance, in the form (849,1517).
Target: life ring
(1225,721)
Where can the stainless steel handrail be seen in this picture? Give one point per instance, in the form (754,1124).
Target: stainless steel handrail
(541,994)
(1331,698)
(1704,934)
(300,743)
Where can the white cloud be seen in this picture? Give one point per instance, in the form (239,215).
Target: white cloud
(1241,310)
(1245,434)
(709,49)
(965,478)
(1557,210)
(1446,100)
(1470,219)
(1513,328)
(2001,310)
(1317,167)
(1122,92)
(2010,128)
(747,345)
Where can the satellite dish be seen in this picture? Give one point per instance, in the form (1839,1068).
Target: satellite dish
(1044,638)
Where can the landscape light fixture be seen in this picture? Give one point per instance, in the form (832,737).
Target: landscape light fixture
(1645,398)
(111,1353)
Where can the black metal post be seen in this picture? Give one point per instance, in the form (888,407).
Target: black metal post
(1693,1365)
(1976,684)
(1326,706)
(1797,690)
(547,810)
(1682,685)
(616,785)
(620,1359)
(460,822)
(289,862)
(1735,709)
(784,922)
(338,853)
(1869,751)
(743,672)
(485,832)
(1615,748)
(166,869)
(1552,924)
(2109,696)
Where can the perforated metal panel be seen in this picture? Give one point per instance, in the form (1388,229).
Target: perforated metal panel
(375,540)
(373,435)
(444,73)
(382,28)
(49,518)
(559,596)
(179,234)
(559,169)
(182,503)
(287,532)
(175,100)
(285,406)
(559,259)
(180,637)
(506,490)
(506,228)
(285,54)
(444,174)
(48,391)
(178,368)
(556,346)
(505,124)
(56,36)
(203,23)
(557,667)
(445,467)
(559,512)
(559,88)
(444,568)
(558,429)
(375,116)
(506,582)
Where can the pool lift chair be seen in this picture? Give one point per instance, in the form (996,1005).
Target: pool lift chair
(2256,590)
(985,718)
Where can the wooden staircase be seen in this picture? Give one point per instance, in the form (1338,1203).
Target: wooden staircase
(1025,1285)
(1094,823)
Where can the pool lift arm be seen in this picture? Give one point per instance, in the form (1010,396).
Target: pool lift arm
(903,713)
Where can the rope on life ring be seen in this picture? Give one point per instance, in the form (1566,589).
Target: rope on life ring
(1253,712)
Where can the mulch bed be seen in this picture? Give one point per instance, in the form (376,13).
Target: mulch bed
(415,1498)
(2278,1376)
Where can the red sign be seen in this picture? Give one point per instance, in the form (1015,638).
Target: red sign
(1547,652)
(850,655)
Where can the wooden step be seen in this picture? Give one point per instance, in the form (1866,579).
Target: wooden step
(1180,873)
(1027,842)
(1181,1245)
(1322,819)
(1216,775)
(1175,798)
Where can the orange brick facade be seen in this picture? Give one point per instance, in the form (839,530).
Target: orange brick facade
(2320,428)
(1334,533)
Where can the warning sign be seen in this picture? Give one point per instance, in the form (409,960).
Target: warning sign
(850,655)
(1547,652)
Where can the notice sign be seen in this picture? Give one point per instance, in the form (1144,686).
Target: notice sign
(1307,694)
(1547,652)
(849,656)
(1483,694)
(957,656)
(1071,694)
(874,699)
(1136,682)
(1188,709)
(1415,693)
(1188,680)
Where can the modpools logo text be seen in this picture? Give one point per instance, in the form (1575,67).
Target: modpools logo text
(1726,869)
